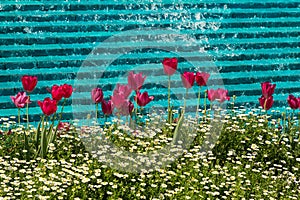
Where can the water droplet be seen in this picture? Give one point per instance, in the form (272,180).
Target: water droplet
(27,30)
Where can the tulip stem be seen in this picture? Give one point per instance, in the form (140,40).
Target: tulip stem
(299,121)
(284,121)
(291,119)
(205,93)
(60,116)
(169,100)
(62,109)
(27,111)
(265,104)
(197,110)
(135,109)
(105,120)
(96,111)
(186,96)
(119,119)
(211,107)
(129,124)
(19,116)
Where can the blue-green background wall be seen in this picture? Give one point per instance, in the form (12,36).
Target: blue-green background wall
(249,42)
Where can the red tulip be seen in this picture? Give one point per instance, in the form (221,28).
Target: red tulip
(212,95)
(124,90)
(48,106)
(267,89)
(63,126)
(130,107)
(188,79)
(201,78)
(20,99)
(29,83)
(222,95)
(67,90)
(266,103)
(57,92)
(143,99)
(97,95)
(9,132)
(135,81)
(170,65)
(293,101)
(107,107)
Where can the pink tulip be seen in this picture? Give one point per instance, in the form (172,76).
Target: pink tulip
(107,107)
(212,95)
(266,103)
(20,100)
(118,100)
(267,89)
(136,81)
(222,95)
(124,90)
(97,95)
(170,65)
(29,82)
(48,106)
(143,99)
(188,79)
(293,101)
(201,78)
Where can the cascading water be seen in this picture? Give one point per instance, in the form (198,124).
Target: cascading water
(248,42)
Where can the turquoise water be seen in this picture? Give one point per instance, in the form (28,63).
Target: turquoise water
(245,43)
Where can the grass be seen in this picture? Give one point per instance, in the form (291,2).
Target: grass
(231,155)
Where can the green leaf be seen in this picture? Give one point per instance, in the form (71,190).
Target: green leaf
(43,142)
(26,145)
(180,121)
(38,134)
(170,115)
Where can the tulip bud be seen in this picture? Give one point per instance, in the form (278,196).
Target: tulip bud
(267,89)
(143,99)
(20,100)
(107,107)
(201,78)
(136,81)
(266,103)
(67,90)
(170,65)
(48,106)
(29,83)
(97,95)
(293,102)
(188,79)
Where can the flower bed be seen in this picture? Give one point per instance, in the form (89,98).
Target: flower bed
(214,154)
